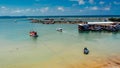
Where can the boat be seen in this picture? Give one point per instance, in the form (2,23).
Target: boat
(86,51)
(59,29)
(33,34)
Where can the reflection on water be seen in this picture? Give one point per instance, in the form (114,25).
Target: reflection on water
(34,39)
(97,34)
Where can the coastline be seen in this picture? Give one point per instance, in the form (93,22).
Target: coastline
(65,20)
(73,20)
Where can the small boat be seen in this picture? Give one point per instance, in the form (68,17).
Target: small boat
(59,29)
(33,34)
(86,51)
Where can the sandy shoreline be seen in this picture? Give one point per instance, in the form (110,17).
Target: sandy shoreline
(63,62)
(71,57)
(112,62)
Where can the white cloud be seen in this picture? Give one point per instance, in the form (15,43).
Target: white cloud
(60,9)
(81,10)
(91,1)
(17,11)
(3,7)
(45,9)
(86,7)
(94,8)
(74,5)
(98,8)
(27,10)
(37,9)
(116,3)
(106,8)
(81,2)
(101,2)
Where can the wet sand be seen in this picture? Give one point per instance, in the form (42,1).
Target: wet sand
(73,61)
(52,56)
(111,62)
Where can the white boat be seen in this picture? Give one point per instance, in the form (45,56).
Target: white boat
(59,29)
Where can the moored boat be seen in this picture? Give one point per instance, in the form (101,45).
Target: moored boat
(59,29)
(33,34)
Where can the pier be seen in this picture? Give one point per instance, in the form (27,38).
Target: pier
(100,26)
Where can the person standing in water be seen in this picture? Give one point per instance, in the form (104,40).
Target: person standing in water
(86,51)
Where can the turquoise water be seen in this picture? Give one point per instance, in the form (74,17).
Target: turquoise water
(18,48)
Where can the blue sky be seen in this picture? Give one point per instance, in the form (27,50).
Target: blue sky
(59,7)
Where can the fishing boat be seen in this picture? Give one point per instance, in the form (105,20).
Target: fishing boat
(33,34)
(59,29)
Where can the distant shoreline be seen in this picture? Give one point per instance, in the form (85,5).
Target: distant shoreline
(57,16)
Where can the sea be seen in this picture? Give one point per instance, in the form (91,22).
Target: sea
(53,49)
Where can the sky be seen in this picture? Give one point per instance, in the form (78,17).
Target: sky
(59,7)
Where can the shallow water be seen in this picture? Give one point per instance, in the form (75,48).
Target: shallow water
(54,49)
